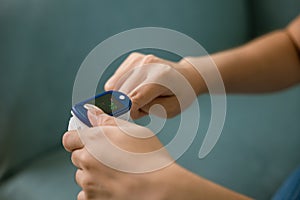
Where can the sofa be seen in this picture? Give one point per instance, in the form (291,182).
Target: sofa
(42,45)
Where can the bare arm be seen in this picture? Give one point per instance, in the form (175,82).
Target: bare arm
(164,180)
(268,63)
(186,185)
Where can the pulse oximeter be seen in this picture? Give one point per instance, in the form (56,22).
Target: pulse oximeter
(113,103)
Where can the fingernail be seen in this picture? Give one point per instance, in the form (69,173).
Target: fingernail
(92,108)
(94,113)
(109,84)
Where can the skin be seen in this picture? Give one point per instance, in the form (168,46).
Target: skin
(101,182)
(267,64)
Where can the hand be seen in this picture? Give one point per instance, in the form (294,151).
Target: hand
(138,70)
(99,181)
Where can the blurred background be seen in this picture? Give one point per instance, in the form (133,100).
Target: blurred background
(42,44)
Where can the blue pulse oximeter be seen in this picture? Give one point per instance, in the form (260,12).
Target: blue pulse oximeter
(113,103)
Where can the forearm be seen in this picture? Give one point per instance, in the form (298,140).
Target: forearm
(186,185)
(267,64)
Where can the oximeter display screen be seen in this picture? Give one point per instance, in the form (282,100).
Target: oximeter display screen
(108,103)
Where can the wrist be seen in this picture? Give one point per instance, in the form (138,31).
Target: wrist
(193,76)
(176,183)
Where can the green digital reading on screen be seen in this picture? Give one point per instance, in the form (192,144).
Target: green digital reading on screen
(108,103)
(113,103)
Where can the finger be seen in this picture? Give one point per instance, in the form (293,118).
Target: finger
(78,177)
(82,159)
(137,114)
(143,95)
(170,107)
(129,81)
(88,183)
(71,141)
(131,70)
(81,195)
(133,60)
(130,62)
(75,158)
(98,118)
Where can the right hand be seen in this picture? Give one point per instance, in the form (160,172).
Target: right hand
(139,76)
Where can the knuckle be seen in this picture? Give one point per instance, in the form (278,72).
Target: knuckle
(150,59)
(85,159)
(65,140)
(78,176)
(166,69)
(134,55)
(136,99)
(73,158)
(87,183)
(81,195)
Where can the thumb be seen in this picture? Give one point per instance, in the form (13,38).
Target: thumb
(97,117)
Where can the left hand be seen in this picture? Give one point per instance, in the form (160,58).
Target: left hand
(99,181)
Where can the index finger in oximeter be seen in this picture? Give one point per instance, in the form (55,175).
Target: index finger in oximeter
(113,103)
